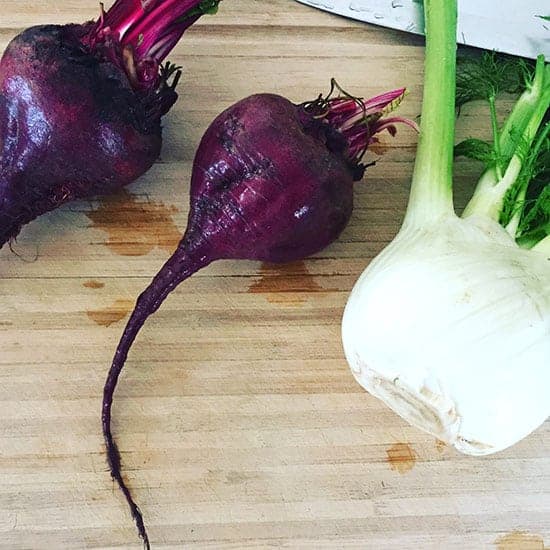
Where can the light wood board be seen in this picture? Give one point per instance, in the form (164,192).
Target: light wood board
(239,422)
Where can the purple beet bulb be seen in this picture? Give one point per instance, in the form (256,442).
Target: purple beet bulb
(81,105)
(271,181)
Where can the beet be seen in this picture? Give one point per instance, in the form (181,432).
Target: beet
(271,181)
(81,105)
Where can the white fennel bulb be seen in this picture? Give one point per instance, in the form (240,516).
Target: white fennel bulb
(450,327)
(450,324)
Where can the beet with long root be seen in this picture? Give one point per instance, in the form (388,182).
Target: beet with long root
(271,181)
(81,105)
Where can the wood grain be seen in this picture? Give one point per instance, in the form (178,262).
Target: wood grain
(239,422)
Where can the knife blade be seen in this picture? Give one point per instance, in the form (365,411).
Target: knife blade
(510,26)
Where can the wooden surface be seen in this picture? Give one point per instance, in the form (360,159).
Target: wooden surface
(239,422)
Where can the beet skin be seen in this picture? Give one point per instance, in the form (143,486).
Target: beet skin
(275,192)
(71,126)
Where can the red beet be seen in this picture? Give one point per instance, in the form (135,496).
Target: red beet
(271,181)
(81,105)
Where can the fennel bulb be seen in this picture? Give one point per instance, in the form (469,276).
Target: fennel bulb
(450,324)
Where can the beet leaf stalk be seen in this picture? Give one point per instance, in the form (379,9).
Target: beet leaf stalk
(271,181)
(137,36)
(81,105)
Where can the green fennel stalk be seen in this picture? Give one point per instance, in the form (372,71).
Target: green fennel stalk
(508,191)
(432,182)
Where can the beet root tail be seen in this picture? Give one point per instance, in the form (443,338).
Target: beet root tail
(179,267)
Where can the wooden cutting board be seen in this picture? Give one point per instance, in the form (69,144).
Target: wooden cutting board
(239,422)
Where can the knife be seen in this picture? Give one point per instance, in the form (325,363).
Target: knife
(518,27)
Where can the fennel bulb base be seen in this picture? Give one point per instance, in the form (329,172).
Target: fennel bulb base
(420,407)
(450,327)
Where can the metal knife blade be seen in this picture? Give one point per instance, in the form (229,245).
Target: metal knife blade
(516,27)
